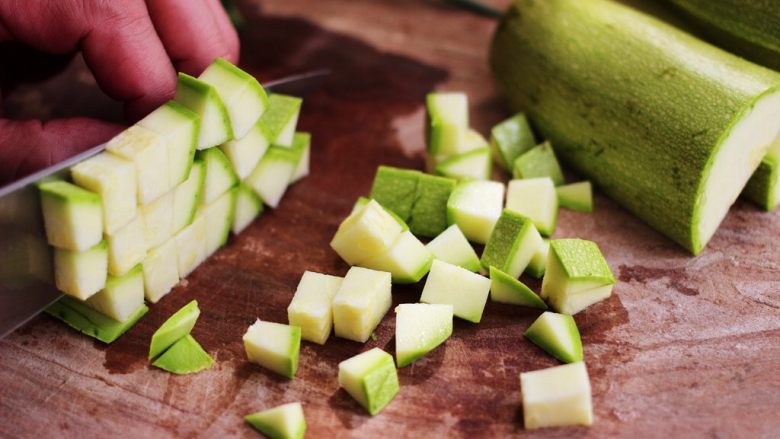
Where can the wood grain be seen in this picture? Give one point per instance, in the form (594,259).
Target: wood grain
(686,347)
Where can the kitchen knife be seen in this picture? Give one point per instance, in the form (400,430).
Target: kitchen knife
(26,271)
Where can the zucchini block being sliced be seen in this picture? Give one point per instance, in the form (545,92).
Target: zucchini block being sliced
(539,161)
(113,179)
(184,357)
(475,207)
(273,174)
(675,151)
(419,329)
(371,378)
(274,346)
(186,196)
(452,247)
(283,422)
(81,273)
(220,175)
(577,275)
(126,247)
(365,234)
(244,97)
(158,220)
(467,292)
(90,322)
(248,207)
(558,335)
(72,216)
(121,296)
(429,213)
(576,196)
(447,123)
(507,289)
(407,259)
(511,138)
(148,151)
(512,244)
(536,199)
(161,272)
(179,127)
(282,118)
(244,153)
(191,246)
(202,98)
(311,307)
(218,217)
(556,397)
(174,328)
(472,165)
(360,303)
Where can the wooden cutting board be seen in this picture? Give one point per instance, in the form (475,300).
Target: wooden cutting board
(685,347)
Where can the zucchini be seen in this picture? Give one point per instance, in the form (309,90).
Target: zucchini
(763,188)
(665,124)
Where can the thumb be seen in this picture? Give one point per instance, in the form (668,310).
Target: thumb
(30,145)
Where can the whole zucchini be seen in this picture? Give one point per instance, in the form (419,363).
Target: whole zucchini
(665,124)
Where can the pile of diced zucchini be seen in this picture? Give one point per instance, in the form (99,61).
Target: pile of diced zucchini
(135,219)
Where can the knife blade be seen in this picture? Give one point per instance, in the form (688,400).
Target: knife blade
(26,269)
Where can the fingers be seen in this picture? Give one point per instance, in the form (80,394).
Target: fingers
(28,146)
(194,32)
(117,38)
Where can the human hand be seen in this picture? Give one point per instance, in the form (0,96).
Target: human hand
(132,47)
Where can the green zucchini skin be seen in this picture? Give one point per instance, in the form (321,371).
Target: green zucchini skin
(635,104)
(749,28)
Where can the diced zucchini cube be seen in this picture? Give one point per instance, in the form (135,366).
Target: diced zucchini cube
(556,397)
(578,196)
(472,165)
(274,346)
(86,320)
(202,98)
(510,138)
(419,329)
(126,247)
(370,378)
(447,122)
(81,273)
(558,335)
(113,179)
(248,207)
(121,296)
(244,153)
(507,289)
(311,307)
(218,217)
(282,118)
(148,151)
(191,246)
(536,199)
(452,247)
(362,201)
(273,174)
(174,328)
(467,292)
(283,422)
(407,259)
(187,195)
(244,97)
(220,175)
(475,207)
(302,148)
(184,357)
(365,234)
(429,214)
(512,244)
(158,220)
(179,127)
(160,271)
(539,161)
(73,217)
(396,190)
(576,276)
(360,303)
